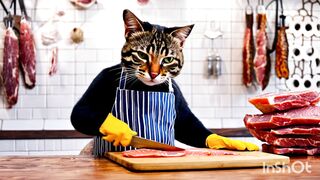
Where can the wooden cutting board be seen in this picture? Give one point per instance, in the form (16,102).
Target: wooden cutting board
(244,159)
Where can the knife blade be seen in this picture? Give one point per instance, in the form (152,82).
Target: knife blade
(139,142)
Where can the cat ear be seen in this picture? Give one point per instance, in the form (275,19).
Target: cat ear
(181,32)
(131,23)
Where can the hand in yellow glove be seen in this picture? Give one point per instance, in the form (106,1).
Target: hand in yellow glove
(116,131)
(215,141)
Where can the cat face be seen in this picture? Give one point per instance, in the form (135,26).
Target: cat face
(152,53)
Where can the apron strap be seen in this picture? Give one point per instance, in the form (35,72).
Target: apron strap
(170,85)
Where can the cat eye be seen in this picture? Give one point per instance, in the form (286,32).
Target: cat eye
(143,55)
(167,60)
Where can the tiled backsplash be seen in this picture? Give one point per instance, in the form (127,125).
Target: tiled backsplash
(219,102)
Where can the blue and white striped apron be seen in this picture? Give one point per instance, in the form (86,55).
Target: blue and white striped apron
(151,114)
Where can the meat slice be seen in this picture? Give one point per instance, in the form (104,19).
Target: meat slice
(54,61)
(10,72)
(287,141)
(293,150)
(207,152)
(309,115)
(297,130)
(143,153)
(27,54)
(271,102)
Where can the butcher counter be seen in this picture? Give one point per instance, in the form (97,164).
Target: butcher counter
(86,167)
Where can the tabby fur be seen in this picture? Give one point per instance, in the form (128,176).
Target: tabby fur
(152,53)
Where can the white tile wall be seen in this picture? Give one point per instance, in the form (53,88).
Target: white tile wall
(219,103)
(42,147)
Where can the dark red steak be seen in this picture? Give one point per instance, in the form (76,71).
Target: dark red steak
(272,102)
(10,72)
(309,115)
(293,150)
(297,130)
(287,141)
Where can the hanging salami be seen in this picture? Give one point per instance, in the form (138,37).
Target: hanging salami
(282,49)
(281,65)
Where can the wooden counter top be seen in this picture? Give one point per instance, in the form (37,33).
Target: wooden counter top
(85,167)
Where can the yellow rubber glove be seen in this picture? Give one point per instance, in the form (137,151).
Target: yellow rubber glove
(116,131)
(215,141)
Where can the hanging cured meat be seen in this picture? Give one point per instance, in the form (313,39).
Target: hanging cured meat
(27,54)
(54,61)
(262,62)
(248,52)
(50,36)
(10,73)
(281,66)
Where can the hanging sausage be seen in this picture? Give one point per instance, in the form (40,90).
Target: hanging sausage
(281,66)
(282,48)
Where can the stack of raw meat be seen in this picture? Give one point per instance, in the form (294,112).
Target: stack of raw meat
(290,123)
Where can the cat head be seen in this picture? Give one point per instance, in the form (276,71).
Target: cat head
(152,53)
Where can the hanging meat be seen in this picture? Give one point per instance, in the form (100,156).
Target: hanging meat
(262,62)
(281,66)
(50,36)
(54,61)
(83,4)
(49,31)
(27,54)
(10,72)
(248,52)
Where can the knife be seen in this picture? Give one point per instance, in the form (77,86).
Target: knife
(139,142)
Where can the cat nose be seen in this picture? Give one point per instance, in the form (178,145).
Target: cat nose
(153,75)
